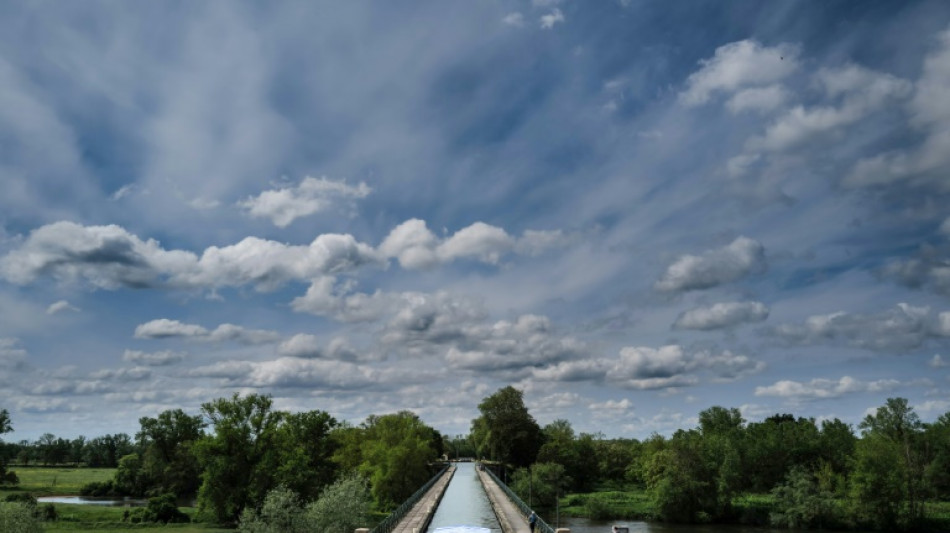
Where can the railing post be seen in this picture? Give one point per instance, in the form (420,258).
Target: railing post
(362,530)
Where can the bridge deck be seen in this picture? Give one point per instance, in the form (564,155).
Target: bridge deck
(417,519)
(509,515)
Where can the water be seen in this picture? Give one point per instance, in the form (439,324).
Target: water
(465,503)
(585,525)
(80,500)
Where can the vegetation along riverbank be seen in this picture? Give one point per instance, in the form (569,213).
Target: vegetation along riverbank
(249,466)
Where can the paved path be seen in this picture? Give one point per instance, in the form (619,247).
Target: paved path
(509,515)
(418,518)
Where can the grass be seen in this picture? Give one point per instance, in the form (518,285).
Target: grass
(631,503)
(67,481)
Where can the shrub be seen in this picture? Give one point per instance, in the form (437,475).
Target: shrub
(17,517)
(162,509)
(98,489)
(598,509)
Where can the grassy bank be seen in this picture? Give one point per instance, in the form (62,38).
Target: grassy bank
(40,481)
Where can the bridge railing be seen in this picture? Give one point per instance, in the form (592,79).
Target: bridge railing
(540,525)
(390,522)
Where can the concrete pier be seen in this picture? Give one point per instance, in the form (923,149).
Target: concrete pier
(509,515)
(418,518)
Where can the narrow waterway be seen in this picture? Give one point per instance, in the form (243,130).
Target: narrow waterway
(465,502)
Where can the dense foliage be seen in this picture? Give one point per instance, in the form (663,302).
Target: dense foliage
(270,470)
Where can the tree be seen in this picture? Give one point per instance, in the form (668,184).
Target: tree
(6,477)
(937,475)
(889,466)
(507,429)
(682,482)
(543,481)
(168,443)
(240,458)
(16,517)
(280,513)
(396,451)
(342,507)
(306,450)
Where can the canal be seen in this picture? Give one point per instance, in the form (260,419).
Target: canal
(465,502)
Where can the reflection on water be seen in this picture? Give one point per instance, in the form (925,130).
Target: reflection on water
(465,502)
(80,500)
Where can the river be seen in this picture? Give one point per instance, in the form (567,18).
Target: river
(465,502)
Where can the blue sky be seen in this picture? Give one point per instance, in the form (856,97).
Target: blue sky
(629,210)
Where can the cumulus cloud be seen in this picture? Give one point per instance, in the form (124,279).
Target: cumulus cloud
(722,315)
(825,388)
(938,362)
(161,358)
(528,341)
(738,65)
(166,328)
(742,257)
(929,270)
(309,347)
(554,17)
(109,257)
(61,306)
(647,368)
(415,246)
(310,196)
(926,163)
(901,329)
(293,372)
(861,91)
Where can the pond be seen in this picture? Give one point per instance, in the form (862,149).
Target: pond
(83,500)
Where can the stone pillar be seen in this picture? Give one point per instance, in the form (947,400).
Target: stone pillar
(563,530)
(362,530)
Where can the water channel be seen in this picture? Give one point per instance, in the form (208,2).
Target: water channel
(465,502)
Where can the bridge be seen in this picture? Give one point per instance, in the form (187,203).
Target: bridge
(476,497)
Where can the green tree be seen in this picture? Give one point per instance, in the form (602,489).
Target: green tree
(396,451)
(169,460)
(306,452)
(681,481)
(240,458)
(775,446)
(507,429)
(800,503)
(937,474)
(6,477)
(888,475)
(130,478)
(542,483)
(281,512)
(342,507)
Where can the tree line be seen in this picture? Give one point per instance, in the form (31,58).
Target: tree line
(243,460)
(818,475)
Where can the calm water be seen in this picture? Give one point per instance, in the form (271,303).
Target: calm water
(465,503)
(79,500)
(584,525)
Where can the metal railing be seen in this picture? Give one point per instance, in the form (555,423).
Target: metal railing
(540,525)
(390,522)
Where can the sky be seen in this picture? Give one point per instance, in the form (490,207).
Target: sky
(629,210)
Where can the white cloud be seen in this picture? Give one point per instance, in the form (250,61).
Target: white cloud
(161,358)
(308,346)
(722,315)
(554,17)
(165,328)
(61,306)
(758,99)
(415,246)
(611,405)
(825,388)
(513,19)
(862,91)
(11,354)
(294,372)
(938,362)
(738,259)
(312,195)
(737,65)
(901,329)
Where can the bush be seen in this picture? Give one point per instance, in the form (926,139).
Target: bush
(280,513)
(21,497)
(98,489)
(598,509)
(161,509)
(17,517)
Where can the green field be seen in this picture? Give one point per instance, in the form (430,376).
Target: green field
(56,480)
(66,481)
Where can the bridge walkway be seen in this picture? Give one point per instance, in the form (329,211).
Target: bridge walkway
(509,515)
(417,519)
